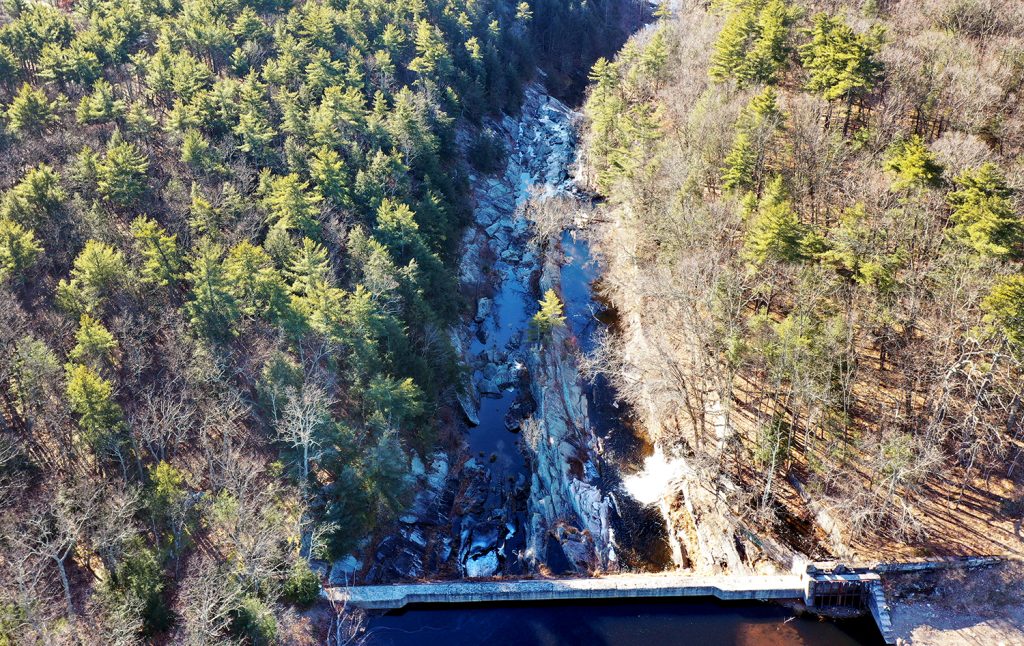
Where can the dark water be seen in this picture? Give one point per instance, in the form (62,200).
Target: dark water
(598,623)
(491,437)
(640,532)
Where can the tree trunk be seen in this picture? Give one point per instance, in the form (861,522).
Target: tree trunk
(67,585)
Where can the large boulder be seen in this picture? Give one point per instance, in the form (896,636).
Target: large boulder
(344,571)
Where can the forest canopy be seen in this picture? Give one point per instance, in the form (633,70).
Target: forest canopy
(818,227)
(228,232)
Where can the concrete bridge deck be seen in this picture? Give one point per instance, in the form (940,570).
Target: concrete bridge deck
(728,588)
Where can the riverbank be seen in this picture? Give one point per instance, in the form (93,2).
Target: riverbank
(954,607)
(796,414)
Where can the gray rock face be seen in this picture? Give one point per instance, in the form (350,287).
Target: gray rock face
(344,571)
(483,308)
(404,555)
(499,266)
(320,568)
(484,510)
(482,566)
(416,466)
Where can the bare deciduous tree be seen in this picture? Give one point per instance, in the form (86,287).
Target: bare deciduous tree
(206,604)
(302,424)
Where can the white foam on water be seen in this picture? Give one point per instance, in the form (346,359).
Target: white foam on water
(649,484)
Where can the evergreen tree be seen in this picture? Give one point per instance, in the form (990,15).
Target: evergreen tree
(258,285)
(752,45)
(1004,308)
(91,398)
(19,250)
(161,260)
(94,344)
(330,175)
(730,51)
(35,199)
(744,165)
(197,152)
(121,175)
(983,213)
(8,65)
(739,164)
(212,306)
(310,268)
(842,64)
(31,112)
(549,317)
(98,270)
(431,54)
(913,165)
(101,106)
(768,53)
(254,129)
(396,401)
(291,204)
(776,233)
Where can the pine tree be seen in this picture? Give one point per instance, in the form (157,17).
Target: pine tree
(161,260)
(212,306)
(1004,309)
(257,284)
(548,318)
(35,199)
(203,216)
(291,204)
(664,10)
(763,108)
(769,51)
(101,106)
(776,233)
(98,270)
(121,175)
(842,64)
(8,65)
(91,398)
(254,130)
(94,344)
(310,268)
(328,171)
(739,164)
(983,215)
(19,250)
(197,152)
(752,46)
(913,165)
(431,53)
(30,112)
(744,165)
(397,401)
(730,51)
(654,58)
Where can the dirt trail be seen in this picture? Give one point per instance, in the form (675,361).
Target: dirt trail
(954,607)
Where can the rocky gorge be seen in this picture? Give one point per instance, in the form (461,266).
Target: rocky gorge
(555,512)
(528,490)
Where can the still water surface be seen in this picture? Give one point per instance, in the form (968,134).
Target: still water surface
(640,623)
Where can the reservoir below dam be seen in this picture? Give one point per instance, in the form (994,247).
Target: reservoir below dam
(599,623)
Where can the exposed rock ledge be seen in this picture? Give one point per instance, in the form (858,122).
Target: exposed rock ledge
(564,447)
(564,503)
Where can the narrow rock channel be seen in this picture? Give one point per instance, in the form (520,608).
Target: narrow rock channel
(530,491)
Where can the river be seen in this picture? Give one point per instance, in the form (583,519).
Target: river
(548,499)
(538,485)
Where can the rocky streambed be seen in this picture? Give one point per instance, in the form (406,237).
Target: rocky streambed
(530,489)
